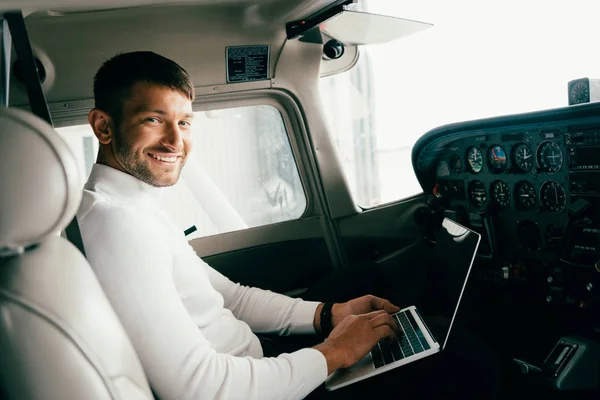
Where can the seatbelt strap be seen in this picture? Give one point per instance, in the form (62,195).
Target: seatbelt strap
(74,235)
(35,93)
(20,38)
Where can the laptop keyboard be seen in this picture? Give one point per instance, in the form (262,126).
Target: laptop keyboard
(411,342)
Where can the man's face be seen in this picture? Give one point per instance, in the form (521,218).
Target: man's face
(153,139)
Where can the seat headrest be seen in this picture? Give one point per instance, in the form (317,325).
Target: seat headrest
(40,183)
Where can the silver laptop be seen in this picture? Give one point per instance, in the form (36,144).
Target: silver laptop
(454,253)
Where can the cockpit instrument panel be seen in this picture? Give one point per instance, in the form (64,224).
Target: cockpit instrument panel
(530,185)
(519,179)
(528,181)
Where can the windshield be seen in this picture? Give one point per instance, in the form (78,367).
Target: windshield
(484,59)
(480,59)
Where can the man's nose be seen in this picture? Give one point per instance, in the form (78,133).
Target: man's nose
(173,137)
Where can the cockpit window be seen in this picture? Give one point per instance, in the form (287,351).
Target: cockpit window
(479,60)
(241,173)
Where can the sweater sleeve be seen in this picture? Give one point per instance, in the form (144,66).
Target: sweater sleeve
(263,310)
(133,266)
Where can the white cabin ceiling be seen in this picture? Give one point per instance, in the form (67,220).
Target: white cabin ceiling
(73,43)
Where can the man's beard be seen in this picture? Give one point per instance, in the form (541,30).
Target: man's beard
(135,166)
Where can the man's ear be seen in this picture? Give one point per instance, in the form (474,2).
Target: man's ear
(102,125)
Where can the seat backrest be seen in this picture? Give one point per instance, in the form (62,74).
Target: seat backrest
(59,336)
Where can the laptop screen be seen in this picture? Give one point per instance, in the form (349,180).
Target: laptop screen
(453,256)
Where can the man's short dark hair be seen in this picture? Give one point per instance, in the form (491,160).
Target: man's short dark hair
(116,76)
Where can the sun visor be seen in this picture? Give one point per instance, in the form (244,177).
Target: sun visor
(344,22)
(361,28)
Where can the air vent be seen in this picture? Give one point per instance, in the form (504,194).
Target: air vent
(20,76)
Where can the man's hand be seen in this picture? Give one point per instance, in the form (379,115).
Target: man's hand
(361,305)
(355,336)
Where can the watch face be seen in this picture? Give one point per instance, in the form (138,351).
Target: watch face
(580,93)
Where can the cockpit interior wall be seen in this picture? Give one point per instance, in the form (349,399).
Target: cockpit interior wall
(197,36)
(196,40)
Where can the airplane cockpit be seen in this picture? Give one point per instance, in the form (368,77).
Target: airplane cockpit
(332,139)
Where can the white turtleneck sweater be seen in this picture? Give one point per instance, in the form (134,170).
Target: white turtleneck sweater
(191,326)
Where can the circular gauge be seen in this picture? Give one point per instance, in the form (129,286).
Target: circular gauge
(475,159)
(553,196)
(497,158)
(549,157)
(455,164)
(501,194)
(522,157)
(528,234)
(525,195)
(477,194)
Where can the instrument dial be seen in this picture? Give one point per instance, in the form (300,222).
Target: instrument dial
(553,196)
(549,157)
(477,194)
(475,159)
(501,194)
(522,157)
(526,197)
(497,158)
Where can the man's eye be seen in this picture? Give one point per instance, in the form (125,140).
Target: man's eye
(151,119)
(185,123)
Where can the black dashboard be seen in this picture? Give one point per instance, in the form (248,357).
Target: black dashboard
(530,185)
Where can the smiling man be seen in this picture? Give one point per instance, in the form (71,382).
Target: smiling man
(150,139)
(193,328)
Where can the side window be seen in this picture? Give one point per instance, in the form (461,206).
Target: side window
(240,174)
(374,151)
(83,143)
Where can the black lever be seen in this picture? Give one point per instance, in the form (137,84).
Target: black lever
(488,225)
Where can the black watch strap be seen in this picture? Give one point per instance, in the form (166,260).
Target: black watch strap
(326,322)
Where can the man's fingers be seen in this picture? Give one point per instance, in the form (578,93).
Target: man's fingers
(389,307)
(383,318)
(382,332)
(378,303)
(375,314)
